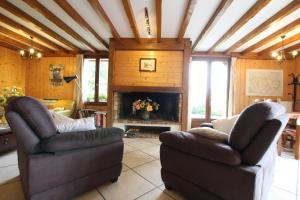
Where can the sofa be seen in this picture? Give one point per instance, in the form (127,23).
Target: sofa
(56,165)
(240,167)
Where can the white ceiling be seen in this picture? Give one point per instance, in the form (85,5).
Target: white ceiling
(172,16)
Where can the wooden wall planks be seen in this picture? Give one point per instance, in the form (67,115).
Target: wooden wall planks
(38,75)
(240,98)
(12,69)
(168,69)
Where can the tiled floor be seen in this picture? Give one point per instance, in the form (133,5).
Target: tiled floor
(140,178)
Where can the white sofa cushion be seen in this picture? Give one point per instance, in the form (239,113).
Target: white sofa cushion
(225,125)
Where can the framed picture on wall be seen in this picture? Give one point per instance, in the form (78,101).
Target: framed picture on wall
(147,64)
(56,74)
(264,82)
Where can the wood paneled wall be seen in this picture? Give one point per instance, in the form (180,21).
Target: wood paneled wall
(38,75)
(169,68)
(12,69)
(240,98)
(172,69)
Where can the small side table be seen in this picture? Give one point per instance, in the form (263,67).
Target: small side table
(7,140)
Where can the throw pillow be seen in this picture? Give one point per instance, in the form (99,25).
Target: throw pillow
(225,125)
(210,133)
(83,124)
(59,118)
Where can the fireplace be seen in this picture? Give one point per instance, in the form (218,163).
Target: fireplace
(169,109)
(169,112)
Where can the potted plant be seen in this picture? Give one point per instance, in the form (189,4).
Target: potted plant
(5,94)
(145,107)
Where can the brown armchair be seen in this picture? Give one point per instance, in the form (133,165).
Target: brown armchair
(241,168)
(61,166)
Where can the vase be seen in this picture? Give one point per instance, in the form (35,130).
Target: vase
(145,115)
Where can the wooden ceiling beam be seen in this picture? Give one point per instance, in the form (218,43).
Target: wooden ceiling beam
(130,16)
(24,16)
(101,13)
(158,4)
(294,5)
(24,40)
(292,48)
(28,31)
(13,42)
(278,45)
(58,22)
(222,7)
(273,36)
(186,19)
(260,4)
(9,46)
(74,14)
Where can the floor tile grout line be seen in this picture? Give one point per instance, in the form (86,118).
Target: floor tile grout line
(100,193)
(145,193)
(142,152)
(279,188)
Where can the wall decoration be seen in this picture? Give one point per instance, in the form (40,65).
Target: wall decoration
(56,74)
(263,82)
(148,64)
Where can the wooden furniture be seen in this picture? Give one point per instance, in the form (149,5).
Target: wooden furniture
(296,116)
(7,140)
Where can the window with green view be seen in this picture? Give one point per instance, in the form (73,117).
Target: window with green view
(95,80)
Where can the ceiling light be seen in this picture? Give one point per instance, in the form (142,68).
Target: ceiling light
(22,52)
(294,53)
(274,54)
(31,53)
(147,23)
(39,55)
(280,55)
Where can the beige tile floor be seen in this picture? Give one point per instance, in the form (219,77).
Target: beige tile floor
(140,178)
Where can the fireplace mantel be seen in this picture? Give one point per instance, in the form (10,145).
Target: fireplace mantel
(146,89)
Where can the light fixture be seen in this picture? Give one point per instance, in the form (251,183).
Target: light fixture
(31,53)
(294,53)
(280,56)
(147,23)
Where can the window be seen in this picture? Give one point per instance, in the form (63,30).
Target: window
(95,80)
(209,80)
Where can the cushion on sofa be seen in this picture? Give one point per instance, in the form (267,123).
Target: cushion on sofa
(82,139)
(251,120)
(225,125)
(199,146)
(210,133)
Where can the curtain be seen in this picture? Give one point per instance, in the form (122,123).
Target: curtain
(231,108)
(78,86)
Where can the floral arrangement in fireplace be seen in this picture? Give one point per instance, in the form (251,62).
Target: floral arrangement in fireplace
(145,105)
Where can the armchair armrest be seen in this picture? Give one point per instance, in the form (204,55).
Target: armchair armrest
(201,147)
(209,125)
(82,139)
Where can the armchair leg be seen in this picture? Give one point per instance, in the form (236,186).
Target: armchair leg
(113,180)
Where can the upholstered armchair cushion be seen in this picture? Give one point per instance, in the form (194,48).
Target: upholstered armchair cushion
(34,113)
(261,142)
(80,140)
(201,147)
(251,120)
